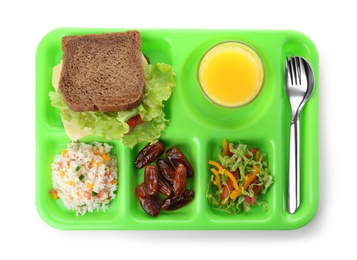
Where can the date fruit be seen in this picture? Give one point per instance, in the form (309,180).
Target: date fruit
(150,204)
(151,180)
(176,202)
(166,170)
(149,154)
(176,157)
(164,187)
(180,177)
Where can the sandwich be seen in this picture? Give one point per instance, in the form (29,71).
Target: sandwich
(105,86)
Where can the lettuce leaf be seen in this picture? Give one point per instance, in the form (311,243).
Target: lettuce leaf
(105,125)
(159,86)
(149,131)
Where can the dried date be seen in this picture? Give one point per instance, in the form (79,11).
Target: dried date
(149,154)
(166,170)
(150,204)
(179,182)
(151,180)
(176,157)
(172,203)
(164,187)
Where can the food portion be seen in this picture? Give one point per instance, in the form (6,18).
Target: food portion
(105,87)
(149,154)
(239,176)
(165,183)
(231,74)
(102,72)
(85,177)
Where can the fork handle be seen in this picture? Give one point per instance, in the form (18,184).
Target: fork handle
(294,166)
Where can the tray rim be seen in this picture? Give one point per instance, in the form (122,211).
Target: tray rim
(40,210)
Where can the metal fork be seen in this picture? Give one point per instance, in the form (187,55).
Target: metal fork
(299,86)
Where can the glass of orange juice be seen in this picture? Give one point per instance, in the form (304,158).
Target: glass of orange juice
(231,74)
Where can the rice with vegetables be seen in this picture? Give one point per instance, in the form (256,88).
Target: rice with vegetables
(85,177)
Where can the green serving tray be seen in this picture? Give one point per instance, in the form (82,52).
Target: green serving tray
(198,128)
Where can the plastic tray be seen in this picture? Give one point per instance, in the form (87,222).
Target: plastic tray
(198,128)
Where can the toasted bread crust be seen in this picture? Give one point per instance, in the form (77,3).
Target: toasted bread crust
(102,72)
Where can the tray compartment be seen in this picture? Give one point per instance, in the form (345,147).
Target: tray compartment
(189,148)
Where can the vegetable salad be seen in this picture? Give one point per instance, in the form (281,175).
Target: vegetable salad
(239,176)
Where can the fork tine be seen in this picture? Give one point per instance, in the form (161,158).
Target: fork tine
(292,71)
(296,70)
(289,70)
(299,68)
(303,73)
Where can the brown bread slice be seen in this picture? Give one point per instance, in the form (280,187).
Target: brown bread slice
(102,72)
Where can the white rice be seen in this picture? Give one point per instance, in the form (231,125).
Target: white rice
(84,177)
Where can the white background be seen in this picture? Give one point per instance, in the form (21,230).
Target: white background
(330,24)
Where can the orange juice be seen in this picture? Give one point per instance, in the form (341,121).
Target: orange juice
(231,74)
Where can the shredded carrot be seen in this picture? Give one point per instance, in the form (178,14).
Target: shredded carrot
(235,193)
(225,147)
(221,170)
(113,181)
(237,190)
(257,155)
(250,177)
(99,164)
(216,164)
(217,180)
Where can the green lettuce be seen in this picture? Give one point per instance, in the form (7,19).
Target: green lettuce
(159,86)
